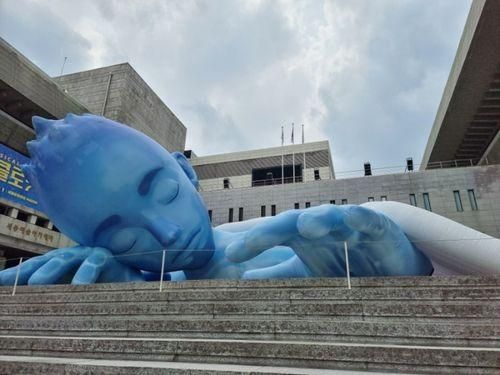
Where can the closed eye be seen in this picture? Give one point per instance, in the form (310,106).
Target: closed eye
(147,180)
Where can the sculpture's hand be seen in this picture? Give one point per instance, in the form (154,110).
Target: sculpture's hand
(377,246)
(83,265)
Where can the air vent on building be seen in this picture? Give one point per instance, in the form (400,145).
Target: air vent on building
(409,164)
(368,169)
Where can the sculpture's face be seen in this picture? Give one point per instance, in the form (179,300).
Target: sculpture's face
(105,184)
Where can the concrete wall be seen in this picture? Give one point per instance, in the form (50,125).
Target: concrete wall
(439,184)
(119,93)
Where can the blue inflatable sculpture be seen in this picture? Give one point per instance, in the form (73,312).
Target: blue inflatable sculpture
(125,199)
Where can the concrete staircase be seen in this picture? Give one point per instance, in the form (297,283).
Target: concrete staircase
(314,326)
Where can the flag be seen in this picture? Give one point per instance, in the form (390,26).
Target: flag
(282,136)
(302,133)
(292,134)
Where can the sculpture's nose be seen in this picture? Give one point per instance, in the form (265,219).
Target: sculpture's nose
(163,230)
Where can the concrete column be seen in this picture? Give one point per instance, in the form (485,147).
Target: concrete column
(32,219)
(12,212)
(49,225)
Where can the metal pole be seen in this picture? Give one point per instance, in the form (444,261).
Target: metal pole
(162,269)
(17,276)
(347,266)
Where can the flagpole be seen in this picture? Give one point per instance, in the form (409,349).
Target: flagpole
(304,156)
(293,156)
(282,156)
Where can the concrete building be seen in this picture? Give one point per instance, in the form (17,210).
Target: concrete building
(119,93)
(466,127)
(311,161)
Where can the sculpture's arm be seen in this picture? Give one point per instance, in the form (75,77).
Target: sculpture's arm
(79,264)
(452,247)
(377,246)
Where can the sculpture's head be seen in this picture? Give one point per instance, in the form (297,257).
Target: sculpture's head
(105,184)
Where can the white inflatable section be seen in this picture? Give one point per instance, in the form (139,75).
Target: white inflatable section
(453,248)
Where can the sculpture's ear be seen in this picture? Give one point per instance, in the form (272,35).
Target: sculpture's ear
(186,167)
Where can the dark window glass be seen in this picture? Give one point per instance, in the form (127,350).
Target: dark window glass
(262,211)
(3,209)
(371,199)
(458,201)
(240,214)
(383,198)
(210,215)
(344,201)
(332,201)
(316,174)
(226,183)
(413,200)
(41,222)
(230,217)
(427,201)
(273,210)
(472,200)
(23,216)
(296,206)
(308,204)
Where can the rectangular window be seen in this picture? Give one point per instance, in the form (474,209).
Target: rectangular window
(458,201)
(344,201)
(262,211)
(240,214)
(371,199)
(413,200)
(316,174)
(472,199)
(230,218)
(427,201)
(332,201)
(3,209)
(23,216)
(41,222)
(383,198)
(296,206)
(226,183)
(273,210)
(308,204)
(210,215)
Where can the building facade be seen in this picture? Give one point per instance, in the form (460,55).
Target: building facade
(468,195)
(119,93)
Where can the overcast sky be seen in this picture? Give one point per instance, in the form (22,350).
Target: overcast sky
(366,75)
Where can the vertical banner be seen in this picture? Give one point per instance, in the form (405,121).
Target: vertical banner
(13,184)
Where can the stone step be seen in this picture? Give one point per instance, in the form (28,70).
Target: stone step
(306,354)
(444,333)
(75,366)
(259,294)
(319,309)
(358,282)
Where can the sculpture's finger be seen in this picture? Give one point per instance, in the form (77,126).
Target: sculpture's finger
(54,269)
(273,232)
(91,268)
(8,276)
(320,221)
(366,221)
